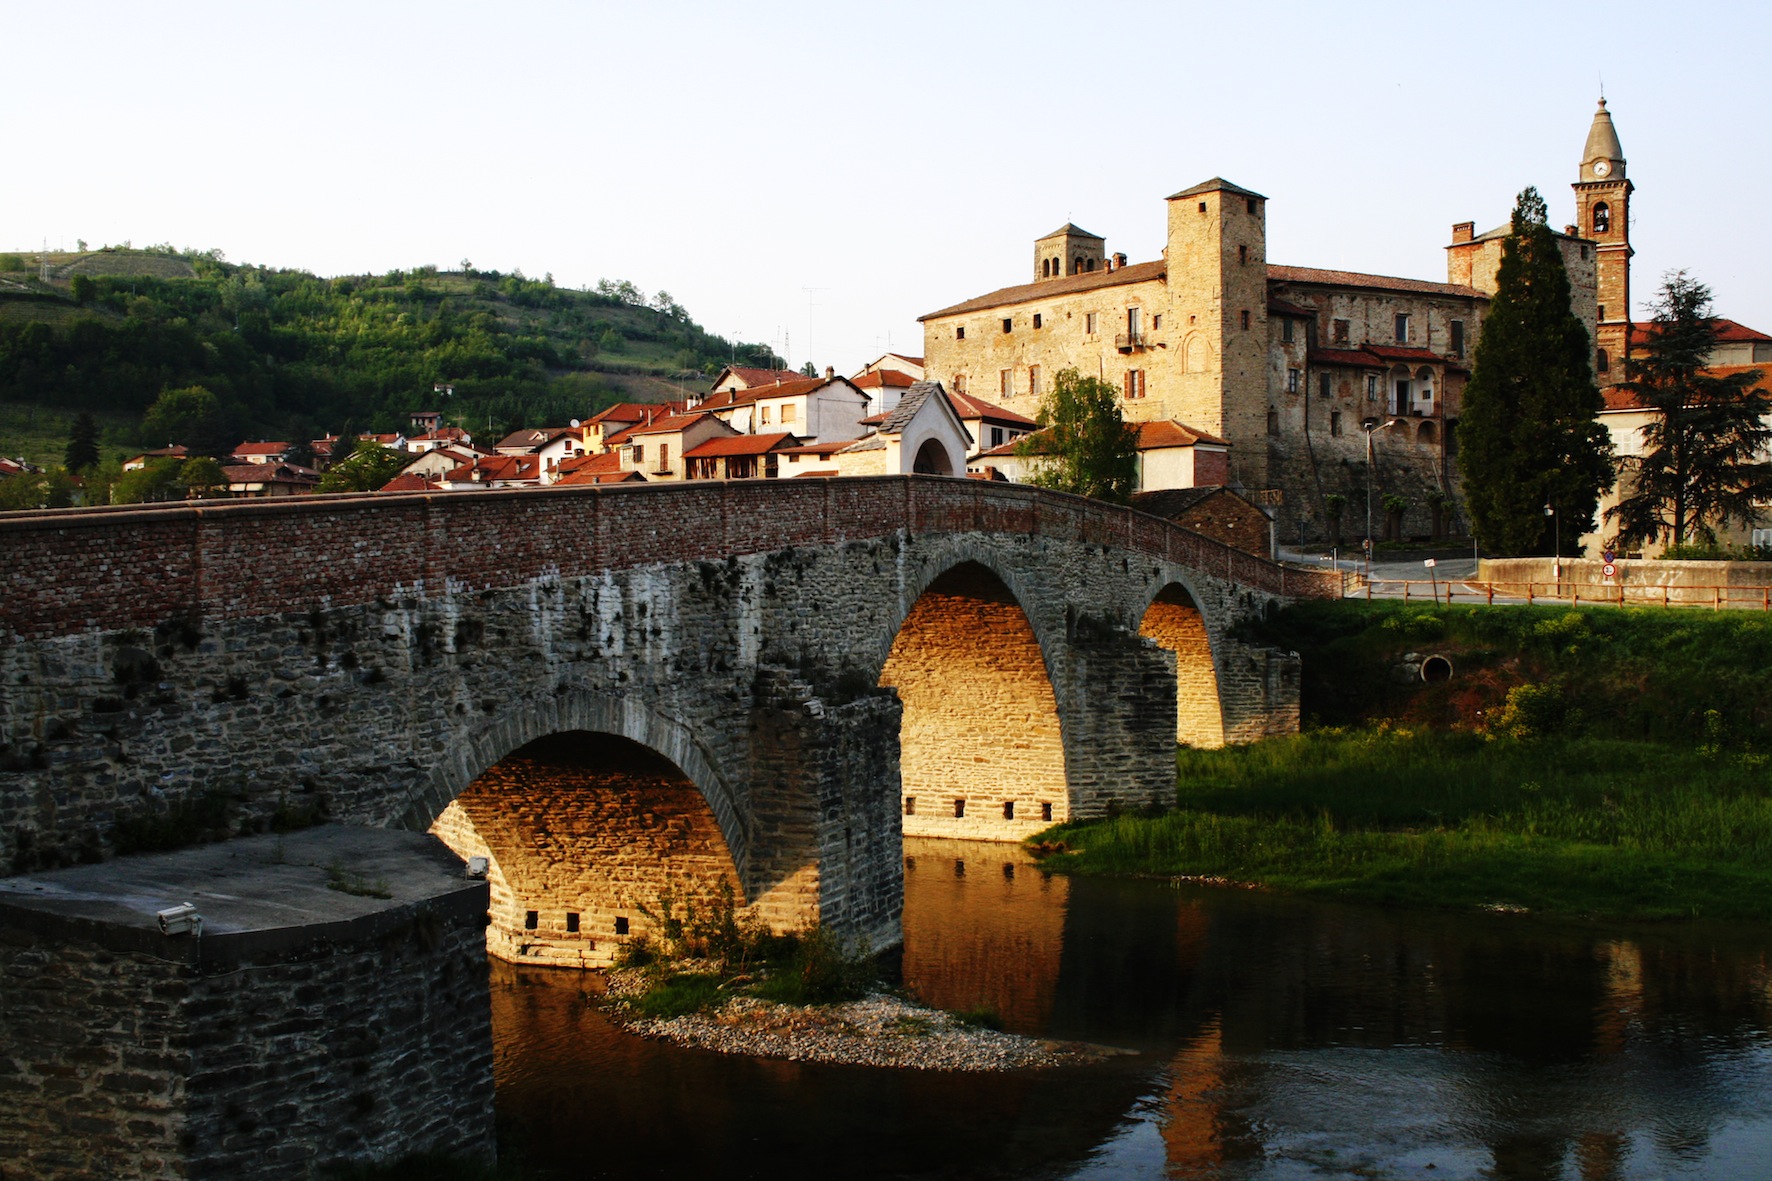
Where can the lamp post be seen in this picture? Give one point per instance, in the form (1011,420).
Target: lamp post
(1370,426)
(1550,510)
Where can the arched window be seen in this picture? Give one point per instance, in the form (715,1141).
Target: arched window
(1603,363)
(1045,268)
(1090,266)
(1077,265)
(1602,217)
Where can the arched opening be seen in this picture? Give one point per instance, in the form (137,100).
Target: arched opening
(1173,621)
(1401,387)
(1425,434)
(1602,362)
(1045,268)
(584,834)
(1197,358)
(932,460)
(1602,217)
(981,752)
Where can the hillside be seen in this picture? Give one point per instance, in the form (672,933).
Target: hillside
(292,355)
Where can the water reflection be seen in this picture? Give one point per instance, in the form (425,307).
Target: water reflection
(1275,1038)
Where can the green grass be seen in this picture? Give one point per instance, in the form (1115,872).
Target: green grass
(40,434)
(1568,826)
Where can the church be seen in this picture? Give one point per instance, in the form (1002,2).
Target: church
(1324,384)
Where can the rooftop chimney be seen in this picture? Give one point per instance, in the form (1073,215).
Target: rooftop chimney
(1464,231)
(830,371)
(1119,260)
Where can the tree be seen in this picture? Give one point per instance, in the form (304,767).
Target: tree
(82,451)
(1702,465)
(191,417)
(365,468)
(202,477)
(809,370)
(54,488)
(1529,435)
(1083,445)
(154,481)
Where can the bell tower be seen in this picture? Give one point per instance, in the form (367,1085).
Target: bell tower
(1602,210)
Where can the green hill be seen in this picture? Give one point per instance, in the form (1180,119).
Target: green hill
(291,355)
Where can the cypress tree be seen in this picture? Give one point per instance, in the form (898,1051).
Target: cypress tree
(82,451)
(1529,434)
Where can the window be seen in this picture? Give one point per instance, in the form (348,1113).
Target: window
(1134,383)
(1045,268)
(910,805)
(1292,376)
(1286,329)
(1245,319)
(787,413)
(1034,380)
(531,920)
(1458,338)
(1046,810)
(1249,204)
(996,436)
(572,922)
(1335,422)
(1273,422)
(664,457)
(1037,319)
(1090,265)
(959,809)
(1602,311)
(1602,217)
(1603,363)
(1325,385)
(762,414)
(1006,382)
(1372,387)
(959,383)
(1202,207)
(1009,809)
(1156,322)
(960,332)
(1008,324)
(621,925)
(1402,328)
(639,454)
(1243,255)
(1340,331)
(1584,252)
(1089,323)
(1133,324)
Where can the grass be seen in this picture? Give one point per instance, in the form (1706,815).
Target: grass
(1604,763)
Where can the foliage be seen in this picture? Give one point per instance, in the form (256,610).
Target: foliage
(82,451)
(364,468)
(1083,446)
(201,477)
(817,969)
(53,488)
(155,481)
(1705,443)
(1529,435)
(192,417)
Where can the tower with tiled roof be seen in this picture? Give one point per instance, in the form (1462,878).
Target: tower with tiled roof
(1068,250)
(1602,205)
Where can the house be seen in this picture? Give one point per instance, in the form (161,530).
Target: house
(810,459)
(817,409)
(494,471)
(434,464)
(441,436)
(411,482)
(884,387)
(739,457)
(259,453)
(988,424)
(656,449)
(921,435)
(424,422)
(900,363)
(603,468)
(1222,514)
(739,377)
(136,462)
(620,417)
(525,441)
(1170,455)
(261,480)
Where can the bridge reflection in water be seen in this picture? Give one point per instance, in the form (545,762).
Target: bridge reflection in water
(1274,1037)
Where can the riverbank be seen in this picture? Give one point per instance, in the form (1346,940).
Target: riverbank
(878,1029)
(1605,764)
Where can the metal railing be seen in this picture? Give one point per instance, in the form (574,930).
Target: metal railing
(1717,598)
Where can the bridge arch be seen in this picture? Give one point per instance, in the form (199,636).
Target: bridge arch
(1174,620)
(982,750)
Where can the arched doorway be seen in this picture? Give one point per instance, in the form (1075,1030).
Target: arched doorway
(932,460)
(589,837)
(1174,621)
(981,750)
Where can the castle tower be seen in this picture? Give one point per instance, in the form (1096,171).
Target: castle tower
(1217,320)
(1068,250)
(1602,209)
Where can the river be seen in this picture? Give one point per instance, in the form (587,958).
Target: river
(1273,1037)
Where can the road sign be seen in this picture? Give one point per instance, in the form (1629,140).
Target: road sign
(1609,570)
(1430,563)
(1609,557)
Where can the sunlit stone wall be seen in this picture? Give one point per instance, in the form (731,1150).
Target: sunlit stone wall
(1176,624)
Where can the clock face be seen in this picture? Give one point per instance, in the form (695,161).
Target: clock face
(1602,167)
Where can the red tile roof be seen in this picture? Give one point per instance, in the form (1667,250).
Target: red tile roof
(1280,274)
(1351,358)
(410,482)
(760,376)
(741,445)
(896,378)
(829,447)
(1400,353)
(667,426)
(785,389)
(627,412)
(1138,272)
(1275,304)
(600,464)
(1151,436)
(1618,398)
(966,406)
(577,478)
(260,449)
(497,467)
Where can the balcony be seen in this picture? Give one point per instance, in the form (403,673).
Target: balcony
(1128,342)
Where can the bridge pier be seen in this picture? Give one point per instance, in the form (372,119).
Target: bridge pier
(334,1009)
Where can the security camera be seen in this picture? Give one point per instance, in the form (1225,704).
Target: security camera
(182,919)
(478,866)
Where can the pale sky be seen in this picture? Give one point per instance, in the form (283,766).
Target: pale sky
(822,174)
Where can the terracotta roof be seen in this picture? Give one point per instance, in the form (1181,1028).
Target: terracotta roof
(260,449)
(625,412)
(738,445)
(667,426)
(1073,230)
(1280,274)
(1137,272)
(875,419)
(410,482)
(607,461)
(1619,398)
(785,389)
(1350,358)
(759,376)
(497,467)
(1728,331)
(1391,352)
(966,406)
(528,437)
(1151,436)
(269,473)
(601,478)
(830,447)
(896,378)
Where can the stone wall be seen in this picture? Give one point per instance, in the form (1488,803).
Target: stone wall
(267,1053)
(1175,624)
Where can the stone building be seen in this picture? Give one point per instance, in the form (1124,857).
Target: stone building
(1323,383)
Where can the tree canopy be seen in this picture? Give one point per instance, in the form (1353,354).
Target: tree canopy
(1703,463)
(367,466)
(1083,445)
(1529,434)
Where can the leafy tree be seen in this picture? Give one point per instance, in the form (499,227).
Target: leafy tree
(54,488)
(82,451)
(202,477)
(191,417)
(155,481)
(1703,463)
(1530,435)
(82,289)
(1083,445)
(367,467)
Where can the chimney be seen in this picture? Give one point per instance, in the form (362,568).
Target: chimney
(1119,260)
(1464,231)
(830,371)
(1572,231)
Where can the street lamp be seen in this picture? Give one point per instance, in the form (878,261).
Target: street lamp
(1371,426)
(1550,511)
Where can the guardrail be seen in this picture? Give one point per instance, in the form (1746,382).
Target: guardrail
(1718,598)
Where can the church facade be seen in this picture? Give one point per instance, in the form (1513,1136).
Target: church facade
(1326,384)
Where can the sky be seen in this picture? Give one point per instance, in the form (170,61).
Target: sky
(817,176)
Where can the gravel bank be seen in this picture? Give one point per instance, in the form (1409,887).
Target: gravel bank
(878,1030)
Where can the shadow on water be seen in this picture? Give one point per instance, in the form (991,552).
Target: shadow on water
(1275,1038)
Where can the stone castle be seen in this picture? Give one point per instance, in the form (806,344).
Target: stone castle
(1323,383)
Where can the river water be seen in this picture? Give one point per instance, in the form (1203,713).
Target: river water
(1272,1038)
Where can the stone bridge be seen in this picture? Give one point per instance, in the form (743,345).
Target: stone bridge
(621,692)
